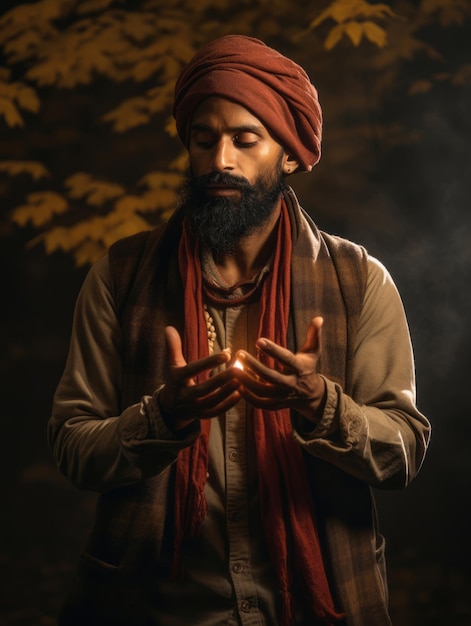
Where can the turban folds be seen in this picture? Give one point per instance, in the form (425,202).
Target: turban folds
(271,86)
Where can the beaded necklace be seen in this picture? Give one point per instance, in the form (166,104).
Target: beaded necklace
(211,328)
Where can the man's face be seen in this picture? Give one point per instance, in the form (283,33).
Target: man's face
(236,174)
(226,137)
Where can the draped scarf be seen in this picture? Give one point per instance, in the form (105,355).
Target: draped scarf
(286,506)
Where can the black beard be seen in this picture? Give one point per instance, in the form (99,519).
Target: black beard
(220,223)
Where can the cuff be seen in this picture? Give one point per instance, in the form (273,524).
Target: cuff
(329,423)
(158,428)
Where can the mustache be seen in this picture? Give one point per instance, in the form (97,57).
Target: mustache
(220,178)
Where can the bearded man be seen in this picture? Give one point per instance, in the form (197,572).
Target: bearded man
(237,382)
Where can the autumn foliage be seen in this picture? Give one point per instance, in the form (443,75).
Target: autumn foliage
(89,152)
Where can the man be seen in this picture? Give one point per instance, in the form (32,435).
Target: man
(237,381)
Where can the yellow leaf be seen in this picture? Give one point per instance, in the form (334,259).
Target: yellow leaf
(45,10)
(184,51)
(87,229)
(88,253)
(21,94)
(137,26)
(157,180)
(375,34)
(128,205)
(63,238)
(55,71)
(28,99)
(345,10)
(136,111)
(342,11)
(170,127)
(19,48)
(96,192)
(103,192)
(78,184)
(334,36)
(158,199)
(354,30)
(33,168)
(40,208)
(129,227)
(324,15)
(143,70)
(95,60)
(10,113)
(161,97)
(55,239)
(129,114)
(181,162)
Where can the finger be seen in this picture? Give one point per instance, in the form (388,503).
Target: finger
(218,397)
(226,378)
(177,360)
(207,363)
(258,370)
(219,409)
(265,402)
(313,340)
(283,355)
(279,388)
(174,345)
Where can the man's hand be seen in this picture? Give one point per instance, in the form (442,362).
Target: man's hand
(183,399)
(298,386)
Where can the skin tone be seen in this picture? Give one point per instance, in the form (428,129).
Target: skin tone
(226,137)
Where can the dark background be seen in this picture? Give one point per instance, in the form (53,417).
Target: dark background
(425,241)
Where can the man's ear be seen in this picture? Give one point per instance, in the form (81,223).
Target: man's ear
(290,164)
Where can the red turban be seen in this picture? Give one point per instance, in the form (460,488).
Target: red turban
(271,86)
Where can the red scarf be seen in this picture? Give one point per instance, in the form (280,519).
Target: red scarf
(286,505)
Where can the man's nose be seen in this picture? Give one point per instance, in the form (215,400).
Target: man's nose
(224,155)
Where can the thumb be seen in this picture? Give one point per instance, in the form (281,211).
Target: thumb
(313,342)
(174,345)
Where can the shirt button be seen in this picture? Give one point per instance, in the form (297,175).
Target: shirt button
(245,606)
(234,456)
(237,568)
(237,516)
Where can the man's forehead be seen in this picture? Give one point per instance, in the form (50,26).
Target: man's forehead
(217,111)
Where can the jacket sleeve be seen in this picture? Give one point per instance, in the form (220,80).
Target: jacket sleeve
(93,445)
(377,434)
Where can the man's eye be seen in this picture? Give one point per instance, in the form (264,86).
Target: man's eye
(245,140)
(204,140)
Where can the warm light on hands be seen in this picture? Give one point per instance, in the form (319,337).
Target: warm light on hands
(295,384)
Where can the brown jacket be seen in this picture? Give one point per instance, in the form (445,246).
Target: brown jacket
(114,582)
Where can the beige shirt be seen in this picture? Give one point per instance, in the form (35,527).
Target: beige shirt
(229,578)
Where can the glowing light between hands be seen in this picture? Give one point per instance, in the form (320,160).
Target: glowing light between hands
(238,364)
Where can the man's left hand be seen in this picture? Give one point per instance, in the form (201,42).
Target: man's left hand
(297,386)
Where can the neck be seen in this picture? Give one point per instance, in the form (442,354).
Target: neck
(251,253)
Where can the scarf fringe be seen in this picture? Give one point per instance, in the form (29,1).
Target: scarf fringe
(287,608)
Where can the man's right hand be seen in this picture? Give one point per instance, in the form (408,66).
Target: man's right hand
(183,399)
